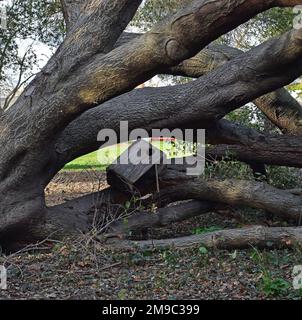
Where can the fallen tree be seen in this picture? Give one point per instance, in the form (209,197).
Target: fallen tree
(88,85)
(258,236)
(234,141)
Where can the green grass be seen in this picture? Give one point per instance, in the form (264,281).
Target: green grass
(99,160)
(202,230)
(89,161)
(295,86)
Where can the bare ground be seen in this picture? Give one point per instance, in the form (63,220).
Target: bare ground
(82,269)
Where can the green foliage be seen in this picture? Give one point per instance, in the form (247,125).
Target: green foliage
(176,149)
(31,20)
(248,116)
(295,87)
(284,177)
(233,255)
(252,117)
(228,168)
(274,22)
(202,230)
(271,284)
(274,286)
(203,250)
(170,257)
(279,177)
(154,11)
(122,294)
(262,27)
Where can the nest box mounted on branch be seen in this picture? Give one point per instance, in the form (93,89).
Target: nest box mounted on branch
(139,162)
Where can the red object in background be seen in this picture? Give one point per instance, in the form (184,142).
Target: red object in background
(163,139)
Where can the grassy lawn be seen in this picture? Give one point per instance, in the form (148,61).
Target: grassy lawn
(97,160)
(100,159)
(89,161)
(295,86)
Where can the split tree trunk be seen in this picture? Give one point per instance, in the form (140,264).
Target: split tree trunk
(53,121)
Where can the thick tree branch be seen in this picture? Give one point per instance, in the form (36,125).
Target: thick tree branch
(228,132)
(279,106)
(163,217)
(272,151)
(171,43)
(283,110)
(198,103)
(176,185)
(94,33)
(29,120)
(248,145)
(72,11)
(257,236)
(166,44)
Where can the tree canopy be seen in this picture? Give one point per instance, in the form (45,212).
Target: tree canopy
(33,21)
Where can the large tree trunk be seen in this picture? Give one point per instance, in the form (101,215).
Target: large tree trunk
(82,89)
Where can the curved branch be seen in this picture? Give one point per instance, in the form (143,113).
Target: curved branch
(167,44)
(43,109)
(272,151)
(94,33)
(176,185)
(263,69)
(228,132)
(249,145)
(279,106)
(282,110)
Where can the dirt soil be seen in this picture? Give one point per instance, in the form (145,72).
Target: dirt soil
(68,185)
(83,269)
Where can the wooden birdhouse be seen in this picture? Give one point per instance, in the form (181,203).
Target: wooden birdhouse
(139,161)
